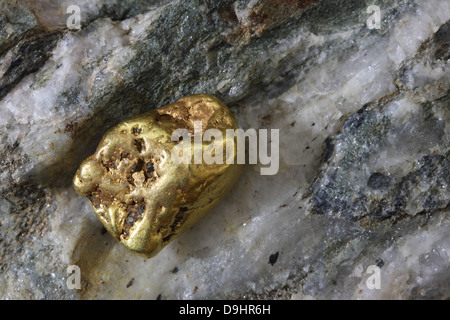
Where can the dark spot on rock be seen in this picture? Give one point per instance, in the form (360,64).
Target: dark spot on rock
(228,13)
(150,167)
(178,217)
(356,120)
(217,46)
(273,258)
(379,181)
(313,124)
(328,151)
(379,262)
(130,180)
(292,124)
(139,144)
(149,170)
(109,165)
(175,270)
(139,165)
(71,128)
(136,131)
(103,231)
(15,145)
(130,283)
(442,42)
(98,198)
(322,202)
(159,297)
(135,211)
(431,203)
(105,165)
(443,34)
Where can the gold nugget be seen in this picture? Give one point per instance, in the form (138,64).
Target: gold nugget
(144,198)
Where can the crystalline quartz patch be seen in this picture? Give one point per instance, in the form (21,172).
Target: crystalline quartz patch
(140,195)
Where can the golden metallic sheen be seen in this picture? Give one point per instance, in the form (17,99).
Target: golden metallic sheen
(142,198)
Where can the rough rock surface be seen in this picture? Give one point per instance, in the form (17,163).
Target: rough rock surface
(363,116)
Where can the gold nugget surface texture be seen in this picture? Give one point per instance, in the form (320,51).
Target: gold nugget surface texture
(141,195)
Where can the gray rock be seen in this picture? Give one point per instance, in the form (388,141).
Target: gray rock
(364,145)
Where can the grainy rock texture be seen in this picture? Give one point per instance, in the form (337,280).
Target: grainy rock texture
(363,116)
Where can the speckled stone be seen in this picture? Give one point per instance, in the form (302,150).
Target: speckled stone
(364,146)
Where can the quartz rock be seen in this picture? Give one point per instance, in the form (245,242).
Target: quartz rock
(363,119)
